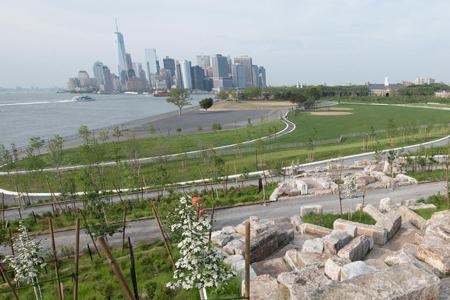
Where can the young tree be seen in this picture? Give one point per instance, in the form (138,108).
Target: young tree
(206,103)
(180,98)
(200,266)
(28,258)
(222,95)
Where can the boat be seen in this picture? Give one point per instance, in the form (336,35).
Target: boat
(160,93)
(82,98)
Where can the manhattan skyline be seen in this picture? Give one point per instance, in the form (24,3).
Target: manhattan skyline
(334,42)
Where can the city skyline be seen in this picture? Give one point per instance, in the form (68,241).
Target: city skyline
(336,43)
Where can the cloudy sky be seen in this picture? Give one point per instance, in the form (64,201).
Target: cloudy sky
(334,41)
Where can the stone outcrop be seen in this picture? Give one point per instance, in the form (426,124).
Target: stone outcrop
(357,249)
(333,267)
(377,233)
(395,283)
(312,229)
(354,269)
(265,287)
(297,283)
(310,209)
(435,248)
(313,246)
(335,241)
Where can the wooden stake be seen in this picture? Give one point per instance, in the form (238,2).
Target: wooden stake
(247,261)
(124,224)
(161,230)
(212,221)
(11,244)
(133,270)
(89,251)
(55,257)
(77,259)
(11,287)
(116,269)
(3,208)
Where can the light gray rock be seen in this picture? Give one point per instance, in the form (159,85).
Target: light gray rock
(310,209)
(297,283)
(335,241)
(265,287)
(237,263)
(412,217)
(422,206)
(273,267)
(396,283)
(378,233)
(296,221)
(298,260)
(228,230)
(354,269)
(391,222)
(275,195)
(444,293)
(386,205)
(373,212)
(357,249)
(313,229)
(313,246)
(333,267)
(220,239)
(234,247)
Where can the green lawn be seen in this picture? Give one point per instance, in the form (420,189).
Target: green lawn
(327,219)
(439,200)
(96,280)
(176,143)
(435,175)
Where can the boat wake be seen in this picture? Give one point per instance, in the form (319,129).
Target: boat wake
(36,103)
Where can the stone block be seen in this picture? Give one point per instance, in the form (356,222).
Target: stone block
(411,217)
(237,263)
(297,283)
(354,269)
(313,246)
(373,212)
(234,247)
(265,287)
(357,249)
(333,267)
(335,241)
(273,267)
(296,221)
(220,239)
(313,229)
(377,233)
(298,260)
(386,205)
(310,209)
(391,222)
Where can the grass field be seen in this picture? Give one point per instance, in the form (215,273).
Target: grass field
(439,200)
(327,219)
(96,280)
(176,143)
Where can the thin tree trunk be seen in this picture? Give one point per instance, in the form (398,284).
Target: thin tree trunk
(77,259)
(133,270)
(11,287)
(55,257)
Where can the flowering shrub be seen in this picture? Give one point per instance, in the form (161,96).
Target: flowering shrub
(27,260)
(200,265)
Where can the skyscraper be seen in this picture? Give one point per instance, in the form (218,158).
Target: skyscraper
(198,76)
(262,76)
(239,76)
(98,72)
(108,80)
(179,78)
(121,55)
(203,61)
(246,61)
(129,62)
(220,66)
(151,61)
(185,67)
(169,64)
(255,75)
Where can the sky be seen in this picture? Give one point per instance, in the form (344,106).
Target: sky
(44,42)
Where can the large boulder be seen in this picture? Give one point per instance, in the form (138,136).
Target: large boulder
(265,287)
(296,221)
(391,222)
(386,205)
(310,209)
(235,246)
(395,283)
(313,246)
(403,179)
(373,212)
(237,263)
(377,233)
(333,267)
(296,283)
(312,229)
(335,241)
(435,248)
(273,267)
(412,217)
(354,269)
(220,238)
(357,249)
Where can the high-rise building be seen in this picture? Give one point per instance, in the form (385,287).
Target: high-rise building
(203,61)
(220,66)
(246,61)
(185,67)
(255,75)
(121,55)
(169,64)
(198,76)
(239,76)
(178,77)
(262,76)
(98,73)
(150,60)
(129,62)
(141,72)
(108,83)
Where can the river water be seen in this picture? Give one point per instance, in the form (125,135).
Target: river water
(24,114)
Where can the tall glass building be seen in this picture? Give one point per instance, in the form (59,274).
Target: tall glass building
(122,56)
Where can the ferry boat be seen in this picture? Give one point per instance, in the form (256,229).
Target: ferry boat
(160,93)
(82,98)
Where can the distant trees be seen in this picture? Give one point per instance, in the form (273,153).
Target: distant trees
(422,89)
(206,103)
(180,98)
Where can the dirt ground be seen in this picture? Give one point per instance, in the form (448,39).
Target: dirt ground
(331,113)
(250,105)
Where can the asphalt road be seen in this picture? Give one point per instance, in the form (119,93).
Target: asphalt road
(147,230)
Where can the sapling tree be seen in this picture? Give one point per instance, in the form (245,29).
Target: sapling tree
(200,265)
(27,260)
